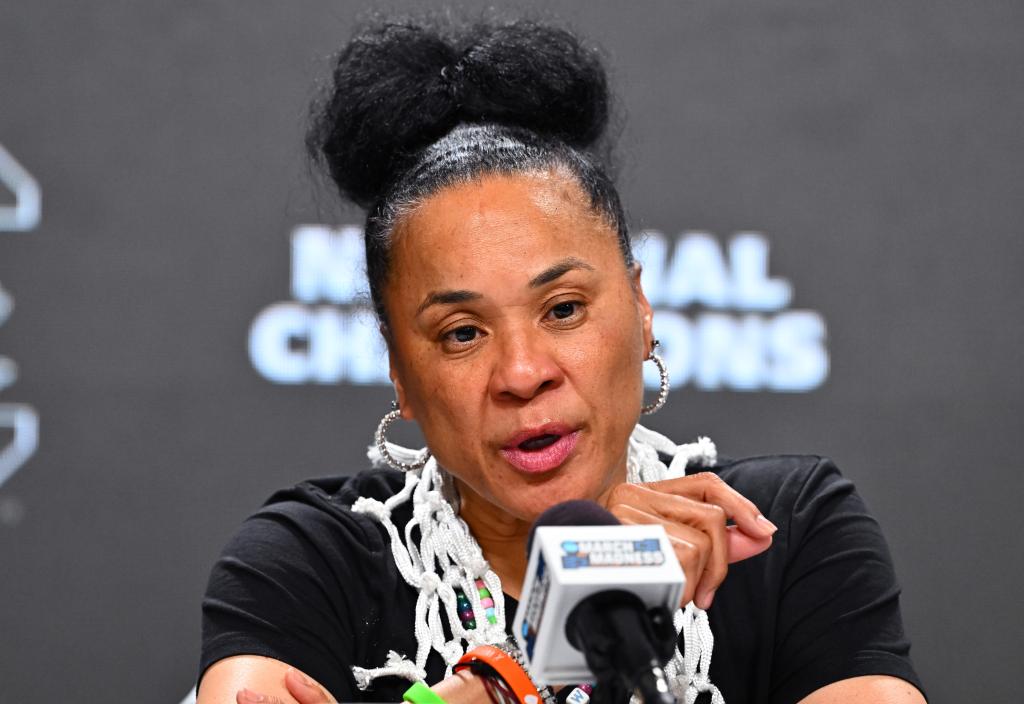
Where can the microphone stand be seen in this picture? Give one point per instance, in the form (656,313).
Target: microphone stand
(625,646)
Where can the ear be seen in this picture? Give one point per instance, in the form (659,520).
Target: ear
(396,380)
(643,307)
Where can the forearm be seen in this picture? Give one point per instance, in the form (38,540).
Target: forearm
(462,688)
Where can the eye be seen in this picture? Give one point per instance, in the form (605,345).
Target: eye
(466,333)
(566,310)
(563,310)
(461,337)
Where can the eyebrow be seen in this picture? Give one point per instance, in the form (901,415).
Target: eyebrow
(556,270)
(550,274)
(441,297)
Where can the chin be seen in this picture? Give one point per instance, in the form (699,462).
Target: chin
(540,498)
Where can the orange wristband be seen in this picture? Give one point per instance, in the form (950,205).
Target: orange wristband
(509,670)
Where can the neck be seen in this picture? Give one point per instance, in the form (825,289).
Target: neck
(501,536)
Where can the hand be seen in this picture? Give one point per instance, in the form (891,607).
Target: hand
(303,689)
(693,511)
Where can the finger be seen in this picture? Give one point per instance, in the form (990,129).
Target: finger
(692,547)
(691,554)
(247,696)
(742,546)
(708,517)
(708,487)
(304,689)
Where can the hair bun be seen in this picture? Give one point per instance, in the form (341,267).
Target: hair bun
(537,77)
(399,87)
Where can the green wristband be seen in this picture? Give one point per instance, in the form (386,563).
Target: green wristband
(420,693)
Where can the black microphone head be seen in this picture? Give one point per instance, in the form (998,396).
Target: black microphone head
(578,512)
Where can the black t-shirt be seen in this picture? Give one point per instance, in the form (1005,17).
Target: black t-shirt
(310,583)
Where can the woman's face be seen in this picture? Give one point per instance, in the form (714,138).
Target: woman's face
(517,339)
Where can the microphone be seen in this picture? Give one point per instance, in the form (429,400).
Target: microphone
(597,603)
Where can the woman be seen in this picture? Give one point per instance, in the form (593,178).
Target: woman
(500,267)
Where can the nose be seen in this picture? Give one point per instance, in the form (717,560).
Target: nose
(524,367)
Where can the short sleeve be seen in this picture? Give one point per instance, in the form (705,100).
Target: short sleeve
(838,614)
(287,587)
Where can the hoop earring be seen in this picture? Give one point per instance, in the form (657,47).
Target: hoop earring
(663,373)
(382,446)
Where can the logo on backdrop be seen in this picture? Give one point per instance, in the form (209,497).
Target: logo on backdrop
(19,422)
(724,322)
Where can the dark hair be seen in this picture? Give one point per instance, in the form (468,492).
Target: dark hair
(412,110)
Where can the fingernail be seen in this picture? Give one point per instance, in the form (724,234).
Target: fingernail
(253,697)
(301,675)
(705,599)
(768,524)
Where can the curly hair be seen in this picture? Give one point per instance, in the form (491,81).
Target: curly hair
(412,109)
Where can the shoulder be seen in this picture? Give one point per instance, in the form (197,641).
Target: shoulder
(304,580)
(316,513)
(823,599)
(790,480)
(337,493)
(809,499)
(308,534)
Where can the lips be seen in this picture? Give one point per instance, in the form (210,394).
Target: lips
(541,449)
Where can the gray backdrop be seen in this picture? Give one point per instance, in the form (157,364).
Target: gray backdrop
(877,148)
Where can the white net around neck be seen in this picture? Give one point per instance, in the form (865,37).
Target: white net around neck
(446,556)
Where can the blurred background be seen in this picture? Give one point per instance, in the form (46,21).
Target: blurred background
(832,207)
